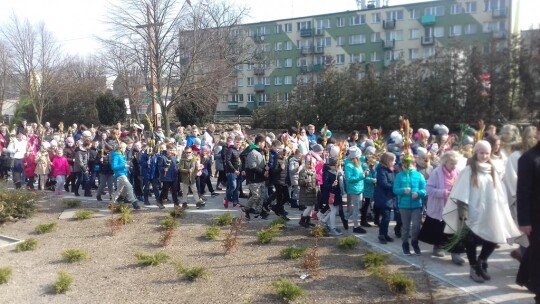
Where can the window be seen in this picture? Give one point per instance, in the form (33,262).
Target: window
(322,60)
(493,26)
(239,67)
(288,63)
(301,62)
(303,25)
(262,97)
(250,66)
(357,39)
(357,20)
(288,45)
(261,30)
(434,11)
(279,64)
(279,29)
(438,31)
(266,81)
(340,41)
(469,29)
(429,52)
(414,13)
(287,27)
(251,97)
(358,58)
(375,37)
(240,82)
(394,35)
(414,34)
(455,9)
(455,30)
(287,80)
(340,59)
(470,7)
(414,54)
(324,42)
(278,80)
(375,57)
(376,18)
(492,5)
(340,22)
(306,43)
(265,47)
(323,24)
(286,96)
(279,46)
(238,98)
(394,15)
(250,81)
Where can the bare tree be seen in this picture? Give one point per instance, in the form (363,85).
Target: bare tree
(36,58)
(5,75)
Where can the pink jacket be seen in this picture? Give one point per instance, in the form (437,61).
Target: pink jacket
(60,166)
(435,189)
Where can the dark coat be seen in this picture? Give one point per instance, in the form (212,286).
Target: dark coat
(383,195)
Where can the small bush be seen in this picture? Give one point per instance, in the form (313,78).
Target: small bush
(63,282)
(151,260)
(293,252)
(223,220)
(169,223)
(30,244)
(266,235)
(125,215)
(177,212)
(74,255)
(45,228)
(5,275)
(373,260)
(190,273)
(15,204)
(348,243)
(212,232)
(84,214)
(71,203)
(400,283)
(319,231)
(287,290)
(279,222)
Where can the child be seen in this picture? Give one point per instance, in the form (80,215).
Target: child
(166,166)
(331,194)
(29,164)
(354,181)
(383,194)
(43,165)
(60,169)
(120,169)
(188,169)
(279,176)
(296,164)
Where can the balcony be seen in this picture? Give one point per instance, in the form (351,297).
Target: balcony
(306,32)
(388,44)
(317,68)
(427,40)
(499,13)
(428,20)
(232,105)
(258,71)
(305,69)
(258,38)
(389,24)
(259,87)
(306,50)
(318,50)
(319,32)
(498,34)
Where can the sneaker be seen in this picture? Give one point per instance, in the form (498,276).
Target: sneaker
(388,239)
(219,188)
(416,248)
(475,274)
(203,198)
(335,232)
(405,248)
(382,239)
(200,204)
(457,259)
(214,194)
(438,252)
(365,224)
(98,197)
(264,215)
(160,205)
(359,230)
(246,213)
(483,269)
(135,205)
(185,206)
(226,203)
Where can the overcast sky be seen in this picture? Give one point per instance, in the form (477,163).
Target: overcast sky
(75,23)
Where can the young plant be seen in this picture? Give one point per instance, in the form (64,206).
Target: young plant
(84,214)
(212,232)
(169,223)
(5,275)
(279,222)
(17,204)
(319,231)
(74,255)
(190,273)
(293,252)
(166,237)
(266,235)
(151,260)
(71,203)
(287,290)
(373,260)
(348,243)
(63,282)
(401,284)
(125,215)
(177,212)
(30,244)
(230,243)
(45,228)
(225,219)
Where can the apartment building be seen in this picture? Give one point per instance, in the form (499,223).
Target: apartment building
(291,51)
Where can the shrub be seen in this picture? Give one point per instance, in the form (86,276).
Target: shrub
(71,203)
(45,228)
(293,252)
(63,282)
(287,290)
(319,231)
(84,214)
(212,232)
(400,283)
(177,212)
(17,204)
(169,223)
(74,255)
(373,260)
(5,275)
(190,273)
(30,244)
(125,215)
(151,260)
(279,223)
(266,235)
(348,242)
(223,220)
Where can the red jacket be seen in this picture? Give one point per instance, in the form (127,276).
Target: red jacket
(29,163)
(60,166)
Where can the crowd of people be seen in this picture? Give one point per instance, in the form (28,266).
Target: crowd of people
(453,191)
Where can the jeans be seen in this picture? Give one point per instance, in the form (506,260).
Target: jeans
(385,220)
(355,200)
(165,191)
(233,186)
(410,216)
(82,179)
(155,188)
(60,180)
(105,180)
(125,189)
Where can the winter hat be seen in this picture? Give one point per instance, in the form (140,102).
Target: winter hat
(368,143)
(482,144)
(354,152)
(441,129)
(70,140)
(332,161)
(317,148)
(87,134)
(421,152)
(45,145)
(370,150)
(333,150)
(467,140)
(396,138)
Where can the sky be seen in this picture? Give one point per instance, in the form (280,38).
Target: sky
(76,23)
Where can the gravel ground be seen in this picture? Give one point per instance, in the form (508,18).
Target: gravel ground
(244,276)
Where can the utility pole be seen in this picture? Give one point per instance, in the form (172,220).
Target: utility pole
(150,27)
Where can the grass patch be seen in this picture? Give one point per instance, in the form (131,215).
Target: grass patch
(125,216)
(400,283)
(293,252)
(225,219)
(71,203)
(318,231)
(190,273)
(287,290)
(169,223)
(84,214)
(45,228)
(212,232)
(63,282)
(16,204)
(27,245)
(266,235)
(348,243)
(74,255)
(5,275)
(374,260)
(177,212)
(279,222)
(151,259)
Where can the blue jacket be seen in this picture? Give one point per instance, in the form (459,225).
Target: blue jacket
(383,194)
(190,140)
(118,164)
(171,175)
(354,178)
(416,182)
(329,178)
(369,181)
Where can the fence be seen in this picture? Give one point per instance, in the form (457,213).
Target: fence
(244,119)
